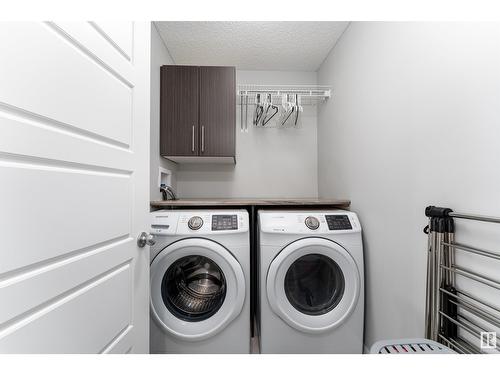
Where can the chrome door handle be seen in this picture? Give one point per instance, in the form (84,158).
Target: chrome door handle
(145,239)
(192,139)
(202,138)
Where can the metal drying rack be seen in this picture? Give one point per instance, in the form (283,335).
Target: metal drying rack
(453,313)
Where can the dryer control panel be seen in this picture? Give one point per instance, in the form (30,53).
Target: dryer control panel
(306,222)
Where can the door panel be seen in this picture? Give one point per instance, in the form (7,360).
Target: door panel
(101,46)
(46,75)
(69,210)
(217,111)
(74,164)
(120,34)
(39,137)
(106,301)
(179,117)
(39,284)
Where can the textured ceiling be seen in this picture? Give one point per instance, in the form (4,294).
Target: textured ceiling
(251,45)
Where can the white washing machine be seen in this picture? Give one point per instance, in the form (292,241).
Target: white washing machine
(311,282)
(200,277)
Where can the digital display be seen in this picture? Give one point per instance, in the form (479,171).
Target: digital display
(338,222)
(224,222)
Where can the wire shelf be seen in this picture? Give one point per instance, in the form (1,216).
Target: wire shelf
(308,94)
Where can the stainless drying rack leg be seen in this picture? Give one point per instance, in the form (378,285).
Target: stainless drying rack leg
(445,303)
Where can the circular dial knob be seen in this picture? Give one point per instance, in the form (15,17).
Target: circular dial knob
(311,222)
(195,223)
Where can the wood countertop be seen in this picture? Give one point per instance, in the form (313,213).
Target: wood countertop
(261,202)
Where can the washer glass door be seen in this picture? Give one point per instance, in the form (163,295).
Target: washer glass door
(193,288)
(313,284)
(197,288)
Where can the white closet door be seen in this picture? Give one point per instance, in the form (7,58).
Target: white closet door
(74,165)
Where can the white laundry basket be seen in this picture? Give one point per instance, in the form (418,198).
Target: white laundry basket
(409,346)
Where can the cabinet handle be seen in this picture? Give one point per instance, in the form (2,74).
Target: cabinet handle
(192,142)
(202,138)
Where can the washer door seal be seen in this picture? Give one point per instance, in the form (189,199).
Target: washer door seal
(313,285)
(217,257)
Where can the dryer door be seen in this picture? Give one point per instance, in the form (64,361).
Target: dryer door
(313,285)
(197,288)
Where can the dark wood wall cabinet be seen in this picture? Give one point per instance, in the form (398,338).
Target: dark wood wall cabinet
(198,114)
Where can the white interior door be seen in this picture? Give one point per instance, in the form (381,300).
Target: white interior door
(74,165)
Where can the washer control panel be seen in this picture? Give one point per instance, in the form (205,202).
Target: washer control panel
(338,222)
(224,222)
(199,222)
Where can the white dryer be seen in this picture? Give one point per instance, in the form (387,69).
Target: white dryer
(200,277)
(311,282)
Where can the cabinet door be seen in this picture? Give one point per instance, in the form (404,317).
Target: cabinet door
(217,111)
(179,130)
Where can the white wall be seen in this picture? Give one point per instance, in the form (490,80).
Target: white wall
(269,162)
(159,57)
(414,120)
